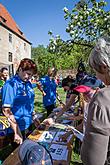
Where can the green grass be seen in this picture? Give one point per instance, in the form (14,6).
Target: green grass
(38,99)
(75,158)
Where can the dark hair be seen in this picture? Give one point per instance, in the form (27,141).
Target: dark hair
(81,66)
(67,81)
(27,64)
(2,69)
(52,71)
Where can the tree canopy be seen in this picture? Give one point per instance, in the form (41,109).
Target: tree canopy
(87,21)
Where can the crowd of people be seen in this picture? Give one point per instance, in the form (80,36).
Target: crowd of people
(96,110)
(90,93)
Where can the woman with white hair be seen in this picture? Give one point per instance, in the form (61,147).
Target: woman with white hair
(95,146)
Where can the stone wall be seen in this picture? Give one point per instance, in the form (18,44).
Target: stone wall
(18,47)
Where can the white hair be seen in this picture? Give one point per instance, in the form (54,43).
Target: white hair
(100,54)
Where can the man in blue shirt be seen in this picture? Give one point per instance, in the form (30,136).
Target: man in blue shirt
(49,87)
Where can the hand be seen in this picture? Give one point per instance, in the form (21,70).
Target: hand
(43,93)
(36,122)
(64,136)
(62,105)
(18,139)
(48,121)
(41,127)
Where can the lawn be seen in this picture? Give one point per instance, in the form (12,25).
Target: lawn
(75,159)
(38,99)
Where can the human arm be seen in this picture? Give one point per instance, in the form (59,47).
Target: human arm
(59,99)
(8,96)
(79,127)
(36,121)
(65,136)
(40,88)
(67,106)
(79,117)
(69,132)
(17,133)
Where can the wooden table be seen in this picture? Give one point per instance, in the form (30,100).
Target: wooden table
(13,158)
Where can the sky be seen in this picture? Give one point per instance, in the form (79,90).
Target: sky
(36,17)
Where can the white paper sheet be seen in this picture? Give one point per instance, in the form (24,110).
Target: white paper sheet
(58,152)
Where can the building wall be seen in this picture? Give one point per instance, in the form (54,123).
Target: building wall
(18,47)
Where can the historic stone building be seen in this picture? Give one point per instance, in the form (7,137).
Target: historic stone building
(13,44)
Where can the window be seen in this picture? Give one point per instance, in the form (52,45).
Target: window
(11,70)
(24,46)
(10,37)
(10,58)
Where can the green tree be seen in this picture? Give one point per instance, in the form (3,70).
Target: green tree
(87,21)
(43,59)
(68,52)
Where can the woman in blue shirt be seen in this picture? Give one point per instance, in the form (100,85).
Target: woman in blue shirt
(18,100)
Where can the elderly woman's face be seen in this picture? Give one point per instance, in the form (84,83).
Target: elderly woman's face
(101,76)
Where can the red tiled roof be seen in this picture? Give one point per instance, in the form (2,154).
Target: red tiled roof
(8,21)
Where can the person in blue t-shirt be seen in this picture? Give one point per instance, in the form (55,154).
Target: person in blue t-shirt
(50,88)
(18,101)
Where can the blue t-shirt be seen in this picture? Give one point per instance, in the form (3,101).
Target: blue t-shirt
(19,96)
(49,87)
